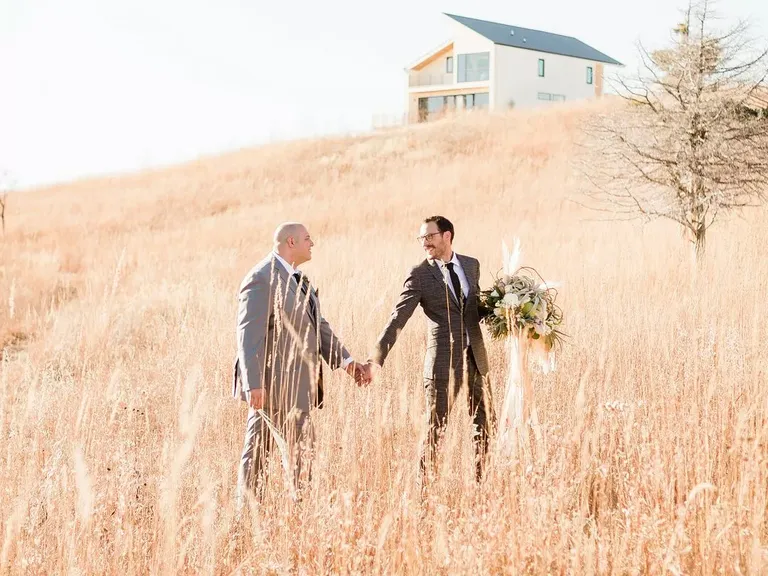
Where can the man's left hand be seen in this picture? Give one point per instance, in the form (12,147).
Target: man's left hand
(359,372)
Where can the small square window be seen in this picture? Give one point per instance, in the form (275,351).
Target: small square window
(589,75)
(541,67)
(449,65)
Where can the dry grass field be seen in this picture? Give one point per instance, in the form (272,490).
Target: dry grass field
(119,439)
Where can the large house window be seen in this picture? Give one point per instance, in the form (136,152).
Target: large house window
(474,67)
(589,74)
(433,106)
(423,112)
(541,67)
(479,100)
(449,65)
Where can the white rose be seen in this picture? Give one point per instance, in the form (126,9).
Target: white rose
(510,300)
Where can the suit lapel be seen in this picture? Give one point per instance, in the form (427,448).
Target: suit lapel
(311,297)
(437,273)
(471,280)
(290,290)
(316,299)
(289,286)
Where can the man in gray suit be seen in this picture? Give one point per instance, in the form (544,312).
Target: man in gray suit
(445,285)
(282,338)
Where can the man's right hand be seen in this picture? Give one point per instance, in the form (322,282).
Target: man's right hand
(255,398)
(372,369)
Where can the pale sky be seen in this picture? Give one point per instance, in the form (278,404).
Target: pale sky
(93,87)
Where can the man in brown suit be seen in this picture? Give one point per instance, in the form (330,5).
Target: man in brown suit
(446,285)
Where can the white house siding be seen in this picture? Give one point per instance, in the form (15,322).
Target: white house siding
(466,41)
(434,73)
(516,77)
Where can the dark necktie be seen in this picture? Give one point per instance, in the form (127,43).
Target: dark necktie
(456,284)
(303,281)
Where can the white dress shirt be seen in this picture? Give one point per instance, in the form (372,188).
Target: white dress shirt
(459,272)
(291,271)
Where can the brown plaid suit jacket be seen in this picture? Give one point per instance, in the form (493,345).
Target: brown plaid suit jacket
(447,328)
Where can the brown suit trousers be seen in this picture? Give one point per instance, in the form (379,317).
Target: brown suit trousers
(455,354)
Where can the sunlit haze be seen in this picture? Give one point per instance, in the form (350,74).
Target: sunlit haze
(103,87)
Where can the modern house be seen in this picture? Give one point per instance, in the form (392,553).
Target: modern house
(497,66)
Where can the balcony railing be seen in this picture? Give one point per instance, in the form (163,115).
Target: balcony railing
(429,79)
(416,80)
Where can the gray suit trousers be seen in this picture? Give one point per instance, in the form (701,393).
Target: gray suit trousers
(299,433)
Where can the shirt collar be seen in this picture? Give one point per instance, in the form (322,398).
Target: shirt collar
(454,260)
(288,267)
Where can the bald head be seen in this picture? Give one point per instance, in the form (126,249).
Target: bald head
(293,243)
(288,230)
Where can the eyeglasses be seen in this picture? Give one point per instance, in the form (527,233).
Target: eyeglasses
(427,237)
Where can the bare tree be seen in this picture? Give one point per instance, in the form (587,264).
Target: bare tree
(690,140)
(3,200)
(4,187)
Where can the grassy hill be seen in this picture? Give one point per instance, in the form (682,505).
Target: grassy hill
(119,440)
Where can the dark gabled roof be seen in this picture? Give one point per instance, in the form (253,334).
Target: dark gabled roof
(533,40)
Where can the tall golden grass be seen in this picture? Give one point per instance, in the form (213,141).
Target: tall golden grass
(119,439)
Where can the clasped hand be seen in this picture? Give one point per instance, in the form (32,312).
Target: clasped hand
(362,373)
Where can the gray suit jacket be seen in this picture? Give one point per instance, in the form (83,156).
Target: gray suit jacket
(280,343)
(446,326)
